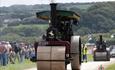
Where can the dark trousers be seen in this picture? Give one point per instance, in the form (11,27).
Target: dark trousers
(17,56)
(84,57)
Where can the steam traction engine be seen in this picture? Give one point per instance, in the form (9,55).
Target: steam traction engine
(59,46)
(101,53)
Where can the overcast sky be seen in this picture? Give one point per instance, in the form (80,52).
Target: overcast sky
(32,2)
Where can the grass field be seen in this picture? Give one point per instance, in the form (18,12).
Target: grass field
(18,66)
(111,67)
(90,57)
(41,26)
(28,64)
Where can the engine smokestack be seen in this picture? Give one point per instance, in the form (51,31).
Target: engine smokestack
(53,14)
(101,39)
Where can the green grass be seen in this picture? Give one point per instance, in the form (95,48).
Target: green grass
(89,57)
(18,66)
(41,26)
(111,67)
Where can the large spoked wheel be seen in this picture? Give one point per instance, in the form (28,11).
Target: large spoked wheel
(75,52)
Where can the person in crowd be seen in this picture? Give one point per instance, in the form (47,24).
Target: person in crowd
(27,51)
(22,52)
(16,49)
(0,55)
(32,52)
(12,56)
(3,52)
(8,48)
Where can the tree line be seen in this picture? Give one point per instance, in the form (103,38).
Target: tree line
(95,18)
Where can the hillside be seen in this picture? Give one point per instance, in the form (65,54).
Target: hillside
(28,11)
(99,18)
(95,18)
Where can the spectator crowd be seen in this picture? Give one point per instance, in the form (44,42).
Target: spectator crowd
(10,52)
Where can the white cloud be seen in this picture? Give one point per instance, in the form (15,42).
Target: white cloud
(31,2)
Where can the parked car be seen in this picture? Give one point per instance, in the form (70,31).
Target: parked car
(112,52)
